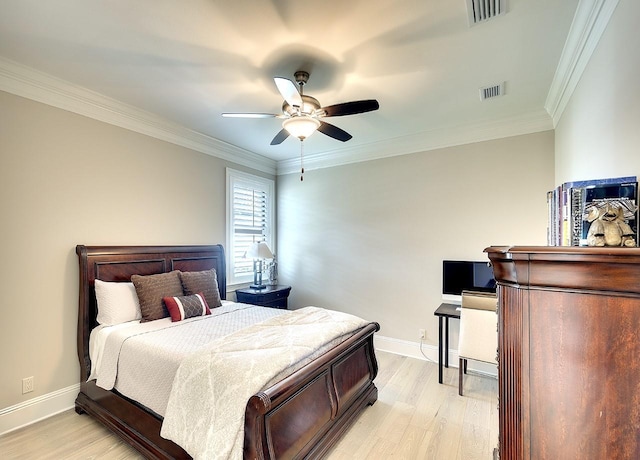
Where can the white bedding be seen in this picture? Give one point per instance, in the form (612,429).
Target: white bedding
(227,357)
(140,359)
(205,414)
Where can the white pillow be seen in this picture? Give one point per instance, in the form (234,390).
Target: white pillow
(117,303)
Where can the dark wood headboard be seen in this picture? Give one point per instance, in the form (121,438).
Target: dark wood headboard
(118,263)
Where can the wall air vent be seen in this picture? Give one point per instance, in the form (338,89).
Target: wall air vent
(490,92)
(483,10)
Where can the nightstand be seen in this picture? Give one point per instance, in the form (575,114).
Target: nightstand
(270,296)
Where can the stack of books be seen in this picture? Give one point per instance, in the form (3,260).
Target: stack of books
(569,205)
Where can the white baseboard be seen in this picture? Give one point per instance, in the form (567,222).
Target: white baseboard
(428,353)
(36,409)
(407,348)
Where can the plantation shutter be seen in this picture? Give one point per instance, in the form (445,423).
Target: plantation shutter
(250,216)
(249,224)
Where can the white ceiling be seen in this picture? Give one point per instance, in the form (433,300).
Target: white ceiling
(188,61)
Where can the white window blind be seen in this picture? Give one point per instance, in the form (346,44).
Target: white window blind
(250,219)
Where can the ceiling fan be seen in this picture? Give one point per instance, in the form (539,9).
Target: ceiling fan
(303,114)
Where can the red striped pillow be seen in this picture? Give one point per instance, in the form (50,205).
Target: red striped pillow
(188,306)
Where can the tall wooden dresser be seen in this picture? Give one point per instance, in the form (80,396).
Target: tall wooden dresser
(568,351)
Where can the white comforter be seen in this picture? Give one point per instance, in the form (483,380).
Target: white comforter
(140,360)
(205,414)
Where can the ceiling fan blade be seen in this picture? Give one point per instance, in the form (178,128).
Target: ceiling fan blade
(351,108)
(249,115)
(288,91)
(333,131)
(280,137)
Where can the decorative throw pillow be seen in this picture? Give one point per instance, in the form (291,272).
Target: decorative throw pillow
(117,302)
(186,306)
(205,282)
(151,289)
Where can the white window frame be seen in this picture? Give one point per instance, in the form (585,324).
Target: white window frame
(243,179)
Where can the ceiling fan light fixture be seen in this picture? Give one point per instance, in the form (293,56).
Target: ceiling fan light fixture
(302,113)
(301,126)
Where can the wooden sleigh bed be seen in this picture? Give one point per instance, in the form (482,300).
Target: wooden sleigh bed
(301,416)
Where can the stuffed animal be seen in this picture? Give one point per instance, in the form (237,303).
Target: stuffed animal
(608,227)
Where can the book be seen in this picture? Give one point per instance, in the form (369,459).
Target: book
(555,222)
(576,215)
(623,195)
(550,219)
(577,203)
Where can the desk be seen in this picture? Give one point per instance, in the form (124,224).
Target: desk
(444,312)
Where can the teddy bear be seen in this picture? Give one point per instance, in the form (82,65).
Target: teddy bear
(608,227)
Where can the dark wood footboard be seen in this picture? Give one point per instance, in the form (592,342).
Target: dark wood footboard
(301,416)
(304,414)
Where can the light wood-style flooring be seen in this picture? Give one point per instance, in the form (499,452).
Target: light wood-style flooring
(414,418)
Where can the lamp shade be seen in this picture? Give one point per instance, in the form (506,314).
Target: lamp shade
(259,251)
(301,126)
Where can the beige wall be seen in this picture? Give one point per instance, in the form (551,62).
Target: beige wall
(66,180)
(369,238)
(599,133)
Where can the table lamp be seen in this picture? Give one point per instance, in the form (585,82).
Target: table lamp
(258,252)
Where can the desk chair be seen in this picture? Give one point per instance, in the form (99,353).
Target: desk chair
(478,338)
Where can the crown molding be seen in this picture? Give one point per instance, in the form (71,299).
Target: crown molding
(422,142)
(26,82)
(589,23)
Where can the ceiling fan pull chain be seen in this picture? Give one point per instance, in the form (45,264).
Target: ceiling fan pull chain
(301,161)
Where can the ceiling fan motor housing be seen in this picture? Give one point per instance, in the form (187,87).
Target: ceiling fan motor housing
(310,106)
(301,77)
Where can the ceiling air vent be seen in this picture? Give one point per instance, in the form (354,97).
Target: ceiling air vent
(489,92)
(483,10)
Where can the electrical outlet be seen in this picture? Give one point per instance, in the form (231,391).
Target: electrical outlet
(422,334)
(27,385)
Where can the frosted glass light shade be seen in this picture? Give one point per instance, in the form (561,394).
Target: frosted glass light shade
(301,126)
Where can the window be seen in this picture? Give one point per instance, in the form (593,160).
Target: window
(249,219)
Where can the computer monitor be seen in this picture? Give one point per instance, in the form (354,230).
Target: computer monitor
(461,275)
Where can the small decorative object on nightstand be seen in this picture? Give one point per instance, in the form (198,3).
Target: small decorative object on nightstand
(270,296)
(273,271)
